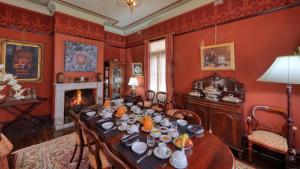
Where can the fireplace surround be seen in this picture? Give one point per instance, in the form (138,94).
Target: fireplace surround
(60,90)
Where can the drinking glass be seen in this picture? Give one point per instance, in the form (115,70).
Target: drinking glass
(150,141)
(174,125)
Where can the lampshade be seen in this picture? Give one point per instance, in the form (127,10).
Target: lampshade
(133,81)
(285,69)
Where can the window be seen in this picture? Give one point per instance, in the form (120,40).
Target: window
(157,66)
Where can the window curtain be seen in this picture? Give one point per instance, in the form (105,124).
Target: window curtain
(146,64)
(158,66)
(169,67)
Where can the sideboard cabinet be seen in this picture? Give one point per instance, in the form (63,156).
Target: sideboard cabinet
(224,120)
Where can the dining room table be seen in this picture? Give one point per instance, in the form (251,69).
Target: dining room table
(208,151)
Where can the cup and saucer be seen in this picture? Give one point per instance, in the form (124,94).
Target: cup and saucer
(123,127)
(165,122)
(173,133)
(155,132)
(162,151)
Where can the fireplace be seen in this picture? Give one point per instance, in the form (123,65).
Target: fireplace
(73,96)
(76,100)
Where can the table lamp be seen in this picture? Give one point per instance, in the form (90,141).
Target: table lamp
(286,70)
(133,82)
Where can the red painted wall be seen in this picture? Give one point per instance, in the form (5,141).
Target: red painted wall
(111,53)
(258,41)
(134,55)
(59,51)
(43,89)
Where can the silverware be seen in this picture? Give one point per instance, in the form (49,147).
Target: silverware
(111,129)
(128,138)
(149,153)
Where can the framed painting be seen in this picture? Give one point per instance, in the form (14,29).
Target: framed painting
(137,69)
(22,59)
(80,57)
(218,57)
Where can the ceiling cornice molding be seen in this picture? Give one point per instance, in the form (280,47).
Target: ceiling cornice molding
(28,5)
(79,13)
(168,15)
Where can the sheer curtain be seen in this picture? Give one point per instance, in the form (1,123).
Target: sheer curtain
(157,66)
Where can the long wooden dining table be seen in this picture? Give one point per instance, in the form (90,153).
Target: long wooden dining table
(208,151)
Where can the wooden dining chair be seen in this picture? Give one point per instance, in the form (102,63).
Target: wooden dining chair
(267,135)
(80,138)
(148,100)
(100,157)
(161,102)
(189,116)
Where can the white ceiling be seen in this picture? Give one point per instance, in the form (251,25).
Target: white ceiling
(115,19)
(122,15)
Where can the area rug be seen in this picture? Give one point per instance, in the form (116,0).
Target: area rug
(56,154)
(241,165)
(53,154)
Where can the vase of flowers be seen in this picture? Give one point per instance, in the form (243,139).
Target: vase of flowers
(7,79)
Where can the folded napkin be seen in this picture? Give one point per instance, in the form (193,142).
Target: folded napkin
(128,140)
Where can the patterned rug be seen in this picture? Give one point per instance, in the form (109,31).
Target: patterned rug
(53,154)
(56,154)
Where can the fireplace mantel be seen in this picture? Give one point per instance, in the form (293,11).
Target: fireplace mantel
(59,96)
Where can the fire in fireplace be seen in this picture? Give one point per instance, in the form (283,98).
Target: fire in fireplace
(76,100)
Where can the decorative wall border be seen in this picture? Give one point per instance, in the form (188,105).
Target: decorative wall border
(207,16)
(114,40)
(25,20)
(67,24)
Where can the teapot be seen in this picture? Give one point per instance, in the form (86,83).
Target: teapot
(157,118)
(178,159)
(107,103)
(147,123)
(121,111)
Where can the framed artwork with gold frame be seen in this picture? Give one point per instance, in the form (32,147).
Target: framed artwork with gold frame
(218,57)
(22,59)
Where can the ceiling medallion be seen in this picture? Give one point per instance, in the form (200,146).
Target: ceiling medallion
(129,3)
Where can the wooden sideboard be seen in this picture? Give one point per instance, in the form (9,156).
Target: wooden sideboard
(223,119)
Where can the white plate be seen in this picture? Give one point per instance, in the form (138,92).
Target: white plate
(123,128)
(167,140)
(129,104)
(139,147)
(168,153)
(147,131)
(107,125)
(91,113)
(182,122)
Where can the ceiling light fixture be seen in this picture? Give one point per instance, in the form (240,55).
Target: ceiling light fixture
(129,3)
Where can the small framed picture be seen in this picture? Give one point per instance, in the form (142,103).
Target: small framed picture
(218,57)
(22,59)
(137,69)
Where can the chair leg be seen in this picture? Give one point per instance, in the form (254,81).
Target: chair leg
(80,156)
(250,150)
(75,149)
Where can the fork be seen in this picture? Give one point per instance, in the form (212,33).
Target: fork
(111,129)
(149,153)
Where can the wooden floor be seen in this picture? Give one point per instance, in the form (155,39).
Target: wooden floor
(23,134)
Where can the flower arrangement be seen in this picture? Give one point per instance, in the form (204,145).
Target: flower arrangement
(10,80)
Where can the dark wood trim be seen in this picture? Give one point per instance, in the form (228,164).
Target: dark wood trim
(136,45)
